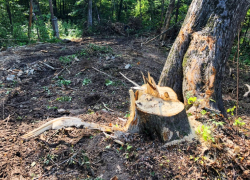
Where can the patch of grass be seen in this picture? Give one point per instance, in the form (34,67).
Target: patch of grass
(67,59)
(52,107)
(64,98)
(95,50)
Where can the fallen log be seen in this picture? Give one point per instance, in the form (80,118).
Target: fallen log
(155,111)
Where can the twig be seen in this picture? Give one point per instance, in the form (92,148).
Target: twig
(237,103)
(107,107)
(114,138)
(60,72)
(48,66)
(130,80)
(53,135)
(122,119)
(8,118)
(3,109)
(160,34)
(103,72)
(109,136)
(68,70)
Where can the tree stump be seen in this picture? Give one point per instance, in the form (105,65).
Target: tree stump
(157,112)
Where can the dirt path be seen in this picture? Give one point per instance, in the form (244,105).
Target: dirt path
(43,81)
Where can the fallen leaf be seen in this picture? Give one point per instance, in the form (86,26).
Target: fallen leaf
(114,178)
(33,164)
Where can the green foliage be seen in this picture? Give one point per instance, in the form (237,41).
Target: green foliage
(203,112)
(220,123)
(231,110)
(95,50)
(108,82)
(128,147)
(127,115)
(86,81)
(66,59)
(52,107)
(63,82)
(191,100)
(205,132)
(238,122)
(64,98)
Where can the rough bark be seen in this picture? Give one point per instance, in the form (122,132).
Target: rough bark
(197,58)
(90,14)
(165,119)
(167,19)
(177,11)
(119,11)
(7,4)
(165,128)
(55,7)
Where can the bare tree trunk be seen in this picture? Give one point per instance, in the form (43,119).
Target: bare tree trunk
(7,4)
(55,7)
(90,14)
(119,11)
(162,10)
(140,11)
(177,11)
(197,58)
(167,19)
(30,19)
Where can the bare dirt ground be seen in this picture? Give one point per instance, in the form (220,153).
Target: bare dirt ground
(43,81)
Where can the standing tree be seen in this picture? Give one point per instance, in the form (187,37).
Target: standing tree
(90,14)
(167,19)
(197,59)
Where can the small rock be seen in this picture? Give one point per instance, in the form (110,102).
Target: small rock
(127,66)
(104,111)
(20,73)
(31,71)
(96,107)
(107,58)
(61,111)
(10,77)
(77,111)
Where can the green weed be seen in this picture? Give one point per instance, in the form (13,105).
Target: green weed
(108,82)
(63,82)
(205,132)
(191,100)
(64,98)
(220,123)
(203,112)
(231,110)
(86,81)
(238,122)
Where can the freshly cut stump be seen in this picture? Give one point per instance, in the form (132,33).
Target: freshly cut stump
(165,119)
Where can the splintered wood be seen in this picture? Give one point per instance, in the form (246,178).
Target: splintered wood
(154,110)
(158,112)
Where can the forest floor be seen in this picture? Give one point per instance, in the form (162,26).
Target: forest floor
(43,81)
